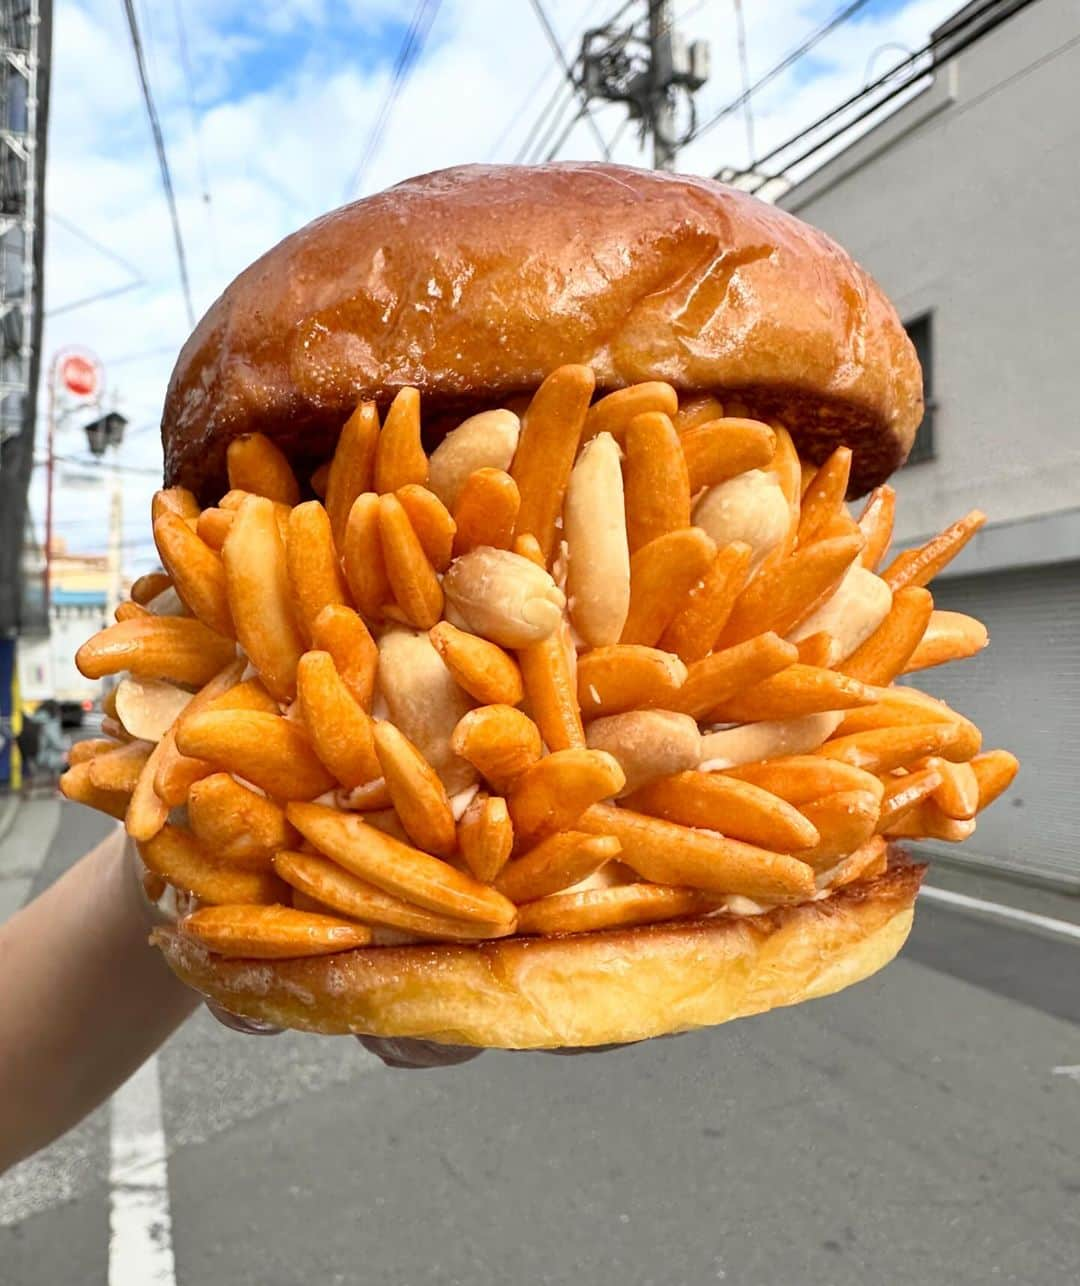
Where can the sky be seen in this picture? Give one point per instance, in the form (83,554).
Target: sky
(268,132)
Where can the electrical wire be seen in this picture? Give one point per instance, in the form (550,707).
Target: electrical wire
(411,47)
(567,97)
(837,20)
(163,160)
(568,72)
(523,106)
(917,73)
(96,298)
(93,242)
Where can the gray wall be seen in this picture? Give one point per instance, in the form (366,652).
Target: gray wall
(967,203)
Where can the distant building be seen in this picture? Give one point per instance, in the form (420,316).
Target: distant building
(963,205)
(79,601)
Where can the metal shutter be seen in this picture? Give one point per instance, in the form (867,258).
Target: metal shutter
(1024,692)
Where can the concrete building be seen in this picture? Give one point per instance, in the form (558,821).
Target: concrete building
(964,205)
(82,586)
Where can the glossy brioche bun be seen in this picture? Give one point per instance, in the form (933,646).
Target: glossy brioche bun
(472,284)
(598,988)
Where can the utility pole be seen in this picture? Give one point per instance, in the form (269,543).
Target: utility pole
(665,147)
(651,75)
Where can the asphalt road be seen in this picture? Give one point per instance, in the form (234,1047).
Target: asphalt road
(922,1129)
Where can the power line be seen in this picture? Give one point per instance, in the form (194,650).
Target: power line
(99,246)
(408,54)
(917,73)
(837,20)
(568,72)
(523,106)
(561,92)
(163,160)
(96,298)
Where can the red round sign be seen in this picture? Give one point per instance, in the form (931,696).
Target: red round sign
(80,375)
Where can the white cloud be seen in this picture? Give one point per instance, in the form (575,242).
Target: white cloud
(279,149)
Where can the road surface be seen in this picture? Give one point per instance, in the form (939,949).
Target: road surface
(922,1129)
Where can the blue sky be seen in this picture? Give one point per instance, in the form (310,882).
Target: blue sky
(284,96)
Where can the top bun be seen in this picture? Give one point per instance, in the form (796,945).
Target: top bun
(472,284)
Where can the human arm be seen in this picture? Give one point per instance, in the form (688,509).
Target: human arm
(85,1000)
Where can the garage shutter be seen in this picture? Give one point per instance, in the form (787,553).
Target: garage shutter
(1024,692)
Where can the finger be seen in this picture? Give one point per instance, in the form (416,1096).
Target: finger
(248,1026)
(412,1055)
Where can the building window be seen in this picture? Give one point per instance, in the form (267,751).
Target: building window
(920,333)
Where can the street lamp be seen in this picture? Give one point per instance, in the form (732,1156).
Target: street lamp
(106,432)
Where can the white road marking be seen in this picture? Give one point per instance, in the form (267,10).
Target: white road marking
(1073,1071)
(1000,911)
(140,1223)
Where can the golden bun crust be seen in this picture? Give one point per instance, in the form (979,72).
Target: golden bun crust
(472,284)
(585,989)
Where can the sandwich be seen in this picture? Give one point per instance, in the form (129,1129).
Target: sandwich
(516,674)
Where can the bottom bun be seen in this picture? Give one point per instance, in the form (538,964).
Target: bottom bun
(599,988)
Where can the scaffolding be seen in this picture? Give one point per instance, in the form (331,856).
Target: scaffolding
(20,208)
